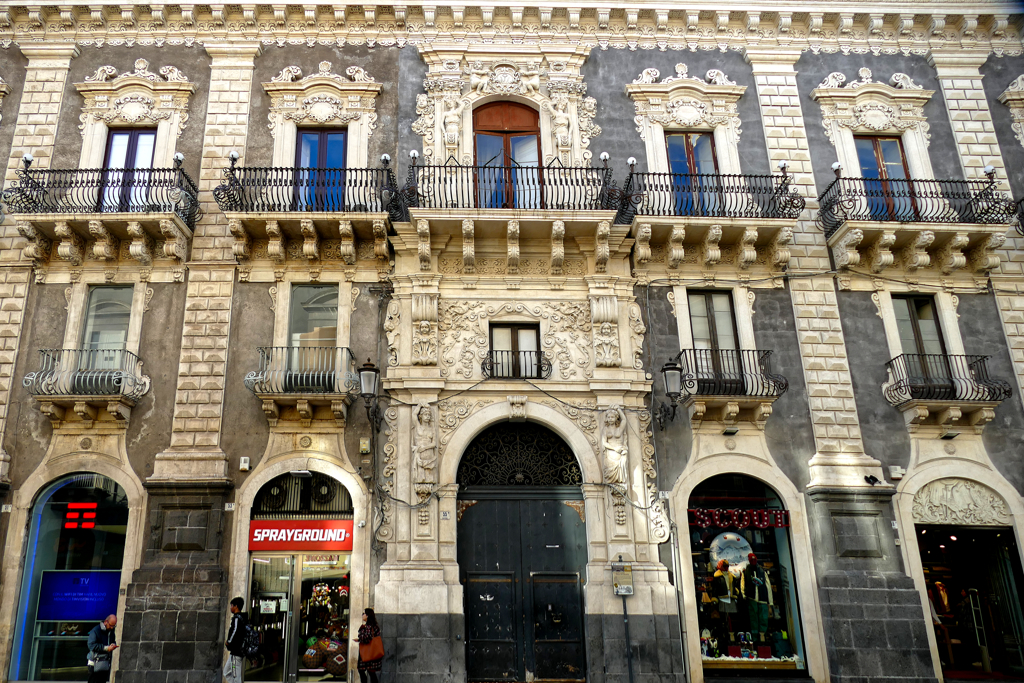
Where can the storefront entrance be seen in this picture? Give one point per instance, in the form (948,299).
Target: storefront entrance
(300,587)
(522,554)
(974,581)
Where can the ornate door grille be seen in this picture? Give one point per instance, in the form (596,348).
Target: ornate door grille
(519,454)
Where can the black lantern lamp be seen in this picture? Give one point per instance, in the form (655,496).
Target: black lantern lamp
(369,381)
(672,374)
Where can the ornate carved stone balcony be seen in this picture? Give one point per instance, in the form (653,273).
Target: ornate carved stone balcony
(308,206)
(99,386)
(944,391)
(304,383)
(69,207)
(728,385)
(944,224)
(696,217)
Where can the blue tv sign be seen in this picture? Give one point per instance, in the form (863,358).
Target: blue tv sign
(78,596)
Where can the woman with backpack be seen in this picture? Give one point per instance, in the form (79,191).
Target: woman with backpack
(235,666)
(371,647)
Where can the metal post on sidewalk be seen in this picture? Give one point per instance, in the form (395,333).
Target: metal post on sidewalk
(622,584)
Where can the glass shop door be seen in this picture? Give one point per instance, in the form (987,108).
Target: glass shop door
(299,605)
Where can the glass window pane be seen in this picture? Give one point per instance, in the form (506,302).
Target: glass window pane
(893,157)
(106,317)
(524,150)
(117,154)
(677,161)
(928,324)
(700,326)
(489,149)
(314,315)
(905,325)
(866,156)
(527,339)
(724,328)
(144,145)
(703,152)
(335,151)
(501,338)
(309,147)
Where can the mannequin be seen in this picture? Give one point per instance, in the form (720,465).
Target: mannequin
(757,590)
(722,588)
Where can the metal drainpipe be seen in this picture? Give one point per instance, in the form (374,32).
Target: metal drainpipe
(677,572)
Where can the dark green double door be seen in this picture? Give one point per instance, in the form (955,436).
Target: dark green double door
(522,557)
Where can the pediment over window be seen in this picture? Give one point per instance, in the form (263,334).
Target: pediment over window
(1013,97)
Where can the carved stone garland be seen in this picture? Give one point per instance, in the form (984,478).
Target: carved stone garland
(1013,97)
(135,97)
(549,78)
(960,501)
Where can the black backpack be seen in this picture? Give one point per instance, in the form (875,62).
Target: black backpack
(250,642)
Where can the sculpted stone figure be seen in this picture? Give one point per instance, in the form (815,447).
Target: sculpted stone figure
(453,118)
(613,446)
(424,445)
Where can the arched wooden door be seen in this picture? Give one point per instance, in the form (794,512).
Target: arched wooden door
(506,140)
(522,553)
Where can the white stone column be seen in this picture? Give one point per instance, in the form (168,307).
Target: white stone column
(34,133)
(195,453)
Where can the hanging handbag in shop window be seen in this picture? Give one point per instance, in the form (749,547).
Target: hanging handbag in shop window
(372,651)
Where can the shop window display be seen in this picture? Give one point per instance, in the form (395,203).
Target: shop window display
(745,583)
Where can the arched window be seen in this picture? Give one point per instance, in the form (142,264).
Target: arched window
(72,576)
(506,137)
(748,612)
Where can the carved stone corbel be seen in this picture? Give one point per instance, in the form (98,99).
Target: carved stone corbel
(70,245)
(468,246)
(762,411)
(747,253)
(423,243)
(380,248)
(275,242)
(176,245)
(845,252)
(779,255)
(712,252)
(85,412)
(601,249)
(915,255)
(557,247)
(676,251)
(310,240)
(141,246)
(981,259)
(38,248)
(242,242)
(120,412)
(604,314)
(348,243)
(948,416)
(105,246)
(424,329)
(879,254)
(340,411)
(950,255)
(305,411)
(513,247)
(642,250)
(981,417)
(272,411)
(517,408)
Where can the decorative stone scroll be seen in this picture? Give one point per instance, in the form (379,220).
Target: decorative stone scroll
(323,99)
(688,103)
(1013,97)
(548,78)
(5,90)
(960,501)
(132,98)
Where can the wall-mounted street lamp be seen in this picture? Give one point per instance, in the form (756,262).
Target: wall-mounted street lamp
(369,383)
(672,374)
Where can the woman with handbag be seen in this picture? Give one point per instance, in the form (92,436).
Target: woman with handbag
(371,647)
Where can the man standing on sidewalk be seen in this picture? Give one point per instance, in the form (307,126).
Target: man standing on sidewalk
(235,666)
(102,643)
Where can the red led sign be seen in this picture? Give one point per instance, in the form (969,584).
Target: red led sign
(738,519)
(80,514)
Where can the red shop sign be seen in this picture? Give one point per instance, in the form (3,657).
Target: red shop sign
(306,535)
(738,519)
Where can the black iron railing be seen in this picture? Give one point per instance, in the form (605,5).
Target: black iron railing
(104,190)
(554,187)
(729,372)
(708,195)
(516,365)
(1020,217)
(906,201)
(286,190)
(88,372)
(303,370)
(940,377)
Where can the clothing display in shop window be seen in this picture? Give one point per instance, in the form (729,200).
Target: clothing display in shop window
(757,590)
(722,588)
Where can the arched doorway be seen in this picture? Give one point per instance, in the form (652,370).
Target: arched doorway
(745,581)
(72,575)
(300,567)
(522,550)
(506,140)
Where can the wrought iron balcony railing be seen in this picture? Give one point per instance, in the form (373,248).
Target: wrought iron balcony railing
(88,372)
(516,365)
(907,201)
(708,195)
(553,187)
(940,377)
(104,190)
(303,370)
(1020,217)
(302,190)
(729,372)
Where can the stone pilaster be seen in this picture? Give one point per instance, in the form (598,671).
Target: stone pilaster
(195,452)
(35,131)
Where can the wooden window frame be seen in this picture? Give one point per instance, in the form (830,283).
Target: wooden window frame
(517,370)
(127,173)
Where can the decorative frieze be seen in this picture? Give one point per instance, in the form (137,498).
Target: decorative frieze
(961,502)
